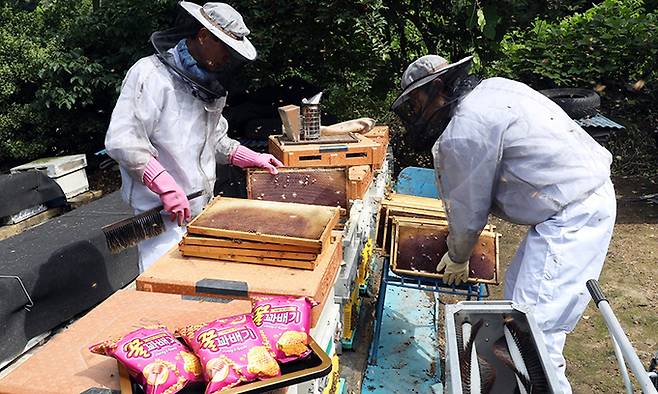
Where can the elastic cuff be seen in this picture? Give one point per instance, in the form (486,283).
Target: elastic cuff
(152,170)
(243,156)
(232,154)
(455,261)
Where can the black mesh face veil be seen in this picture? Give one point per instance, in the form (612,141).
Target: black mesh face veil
(418,105)
(425,113)
(426,110)
(187,26)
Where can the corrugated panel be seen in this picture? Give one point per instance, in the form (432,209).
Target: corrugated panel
(316,186)
(598,120)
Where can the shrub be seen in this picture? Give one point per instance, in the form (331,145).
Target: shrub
(613,43)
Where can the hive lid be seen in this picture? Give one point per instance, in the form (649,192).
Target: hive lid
(54,166)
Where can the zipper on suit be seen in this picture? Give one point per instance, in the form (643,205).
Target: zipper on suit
(206,181)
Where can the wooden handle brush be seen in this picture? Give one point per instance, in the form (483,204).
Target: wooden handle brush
(130,231)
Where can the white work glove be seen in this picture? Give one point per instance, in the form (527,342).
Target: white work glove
(455,273)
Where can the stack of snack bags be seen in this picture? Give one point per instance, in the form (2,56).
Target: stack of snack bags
(224,353)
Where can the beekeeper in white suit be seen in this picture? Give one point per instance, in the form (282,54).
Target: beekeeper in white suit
(503,148)
(167,131)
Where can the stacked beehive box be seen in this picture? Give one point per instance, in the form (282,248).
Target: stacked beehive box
(413,232)
(333,172)
(261,232)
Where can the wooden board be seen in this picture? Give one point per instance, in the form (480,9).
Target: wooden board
(270,254)
(417,248)
(84,198)
(384,222)
(326,155)
(191,239)
(210,252)
(380,135)
(266,221)
(10,230)
(406,206)
(177,274)
(410,201)
(65,365)
(318,186)
(360,178)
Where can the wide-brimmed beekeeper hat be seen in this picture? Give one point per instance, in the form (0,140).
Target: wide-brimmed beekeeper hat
(425,70)
(225,23)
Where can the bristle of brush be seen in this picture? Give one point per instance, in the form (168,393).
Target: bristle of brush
(523,340)
(460,339)
(131,231)
(465,357)
(467,362)
(501,352)
(487,375)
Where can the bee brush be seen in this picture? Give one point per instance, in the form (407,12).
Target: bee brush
(130,231)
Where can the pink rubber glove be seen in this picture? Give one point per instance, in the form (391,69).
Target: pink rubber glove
(244,157)
(173,198)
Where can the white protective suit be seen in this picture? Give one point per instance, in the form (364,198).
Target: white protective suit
(157,115)
(511,151)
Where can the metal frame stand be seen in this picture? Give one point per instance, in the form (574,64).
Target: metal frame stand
(470,291)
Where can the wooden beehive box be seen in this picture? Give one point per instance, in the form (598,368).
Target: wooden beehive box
(362,152)
(379,134)
(418,245)
(403,205)
(283,224)
(260,253)
(396,205)
(333,187)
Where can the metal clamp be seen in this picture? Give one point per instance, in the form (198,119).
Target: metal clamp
(30,303)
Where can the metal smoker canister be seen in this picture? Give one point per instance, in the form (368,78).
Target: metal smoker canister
(310,119)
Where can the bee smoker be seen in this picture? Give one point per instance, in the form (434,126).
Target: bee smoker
(310,118)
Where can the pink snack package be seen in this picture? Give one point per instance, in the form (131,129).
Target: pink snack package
(231,352)
(284,324)
(154,358)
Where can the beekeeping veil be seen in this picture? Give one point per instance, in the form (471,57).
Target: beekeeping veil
(423,82)
(222,21)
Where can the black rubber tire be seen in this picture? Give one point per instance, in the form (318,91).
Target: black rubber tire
(577,103)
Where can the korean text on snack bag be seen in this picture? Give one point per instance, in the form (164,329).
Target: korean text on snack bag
(284,324)
(231,351)
(154,358)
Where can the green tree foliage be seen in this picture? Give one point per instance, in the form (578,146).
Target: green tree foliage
(614,42)
(62,62)
(61,65)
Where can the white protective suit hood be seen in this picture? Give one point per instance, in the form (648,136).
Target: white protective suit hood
(164,41)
